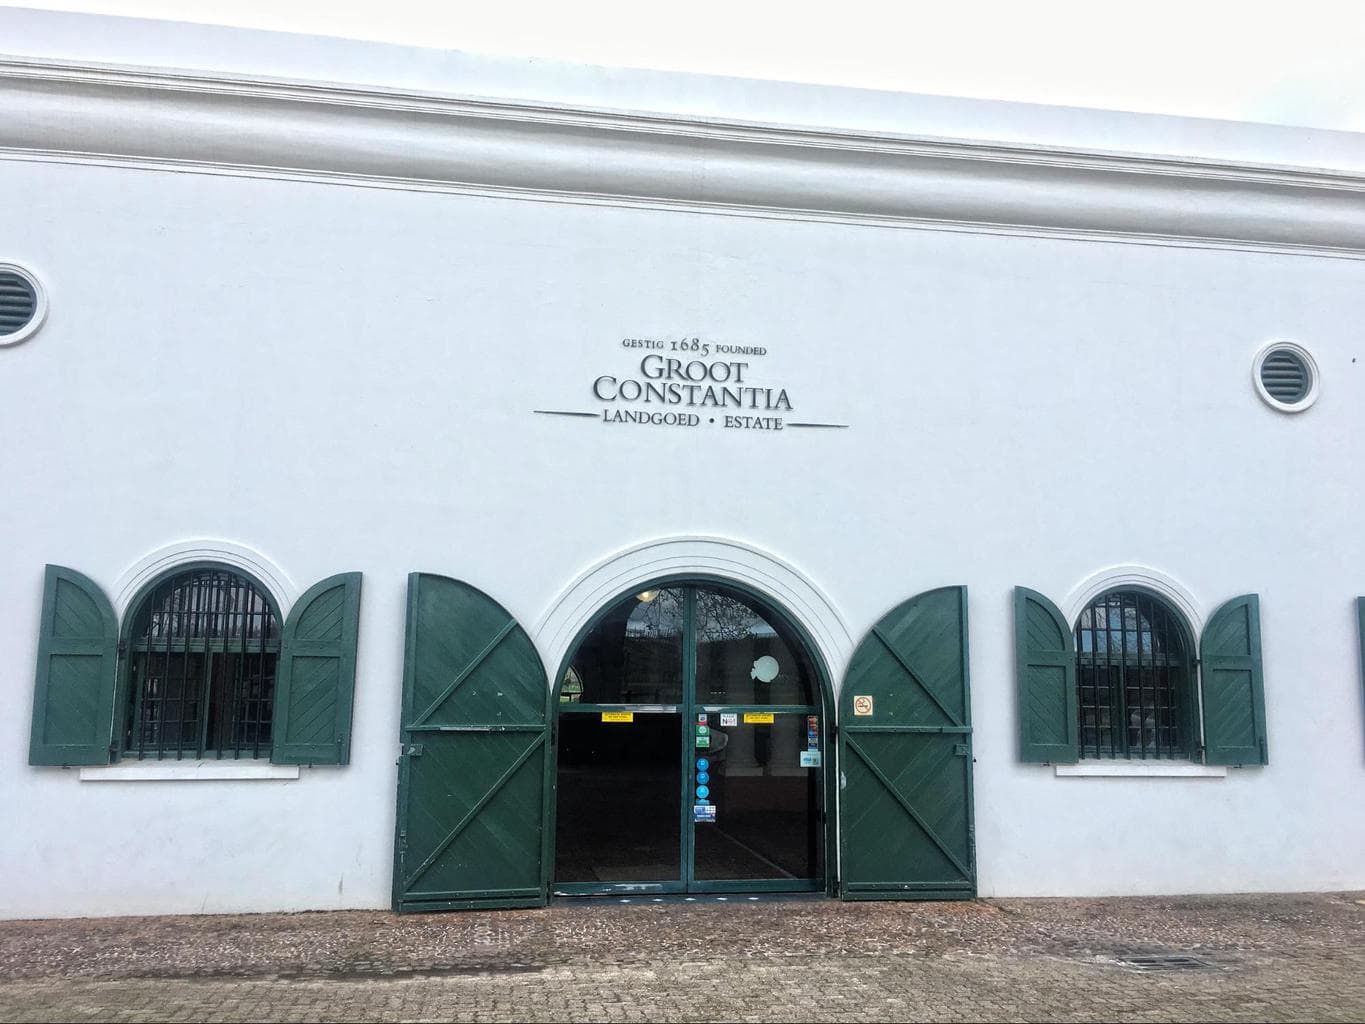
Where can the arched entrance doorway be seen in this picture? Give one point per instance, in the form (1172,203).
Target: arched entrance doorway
(691,720)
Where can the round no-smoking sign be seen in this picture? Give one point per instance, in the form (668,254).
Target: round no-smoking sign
(862,705)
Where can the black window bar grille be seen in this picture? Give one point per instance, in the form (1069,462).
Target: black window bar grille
(1132,678)
(203,654)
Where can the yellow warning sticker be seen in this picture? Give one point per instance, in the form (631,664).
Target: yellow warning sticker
(758,718)
(618,716)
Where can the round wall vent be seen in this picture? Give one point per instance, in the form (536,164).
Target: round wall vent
(22,304)
(1286,376)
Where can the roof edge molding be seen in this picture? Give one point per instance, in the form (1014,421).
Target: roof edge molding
(268,128)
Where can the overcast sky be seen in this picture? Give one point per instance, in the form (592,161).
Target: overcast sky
(1296,62)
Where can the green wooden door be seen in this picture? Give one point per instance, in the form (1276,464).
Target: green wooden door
(905,756)
(472,773)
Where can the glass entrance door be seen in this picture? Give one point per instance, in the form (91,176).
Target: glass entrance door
(690,750)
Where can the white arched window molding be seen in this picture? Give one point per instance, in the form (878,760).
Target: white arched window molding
(1118,577)
(186,552)
(717,557)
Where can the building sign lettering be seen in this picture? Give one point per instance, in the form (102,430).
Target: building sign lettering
(691,383)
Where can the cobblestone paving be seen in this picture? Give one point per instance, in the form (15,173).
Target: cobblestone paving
(1287,957)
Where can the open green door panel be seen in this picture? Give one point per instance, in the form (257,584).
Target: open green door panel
(472,772)
(905,756)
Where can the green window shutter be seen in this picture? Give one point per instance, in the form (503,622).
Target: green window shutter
(1045,674)
(1234,692)
(905,756)
(73,693)
(316,680)
(473,775)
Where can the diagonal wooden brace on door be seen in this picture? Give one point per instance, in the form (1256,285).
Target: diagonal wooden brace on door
(905,805)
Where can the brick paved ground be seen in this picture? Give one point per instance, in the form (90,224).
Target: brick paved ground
(1290,957)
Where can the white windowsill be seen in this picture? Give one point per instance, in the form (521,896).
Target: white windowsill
(1139,770)
(188,771)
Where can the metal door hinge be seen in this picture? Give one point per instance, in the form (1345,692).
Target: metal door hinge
(961,749)
(413,750)
(123,648)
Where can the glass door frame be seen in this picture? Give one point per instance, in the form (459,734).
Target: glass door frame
(740,885)
(688,708)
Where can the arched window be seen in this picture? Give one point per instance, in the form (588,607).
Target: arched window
(203,650)
(1134,676)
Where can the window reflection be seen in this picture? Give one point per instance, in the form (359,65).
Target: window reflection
(768,804)
(744,653)
(634,654)
(618,815)
(745,657)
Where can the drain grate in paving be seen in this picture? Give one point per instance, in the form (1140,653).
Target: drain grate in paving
(1152,962)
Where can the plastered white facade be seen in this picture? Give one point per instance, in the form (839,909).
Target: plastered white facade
(323,365)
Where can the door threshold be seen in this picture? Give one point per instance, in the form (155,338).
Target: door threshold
(694,897)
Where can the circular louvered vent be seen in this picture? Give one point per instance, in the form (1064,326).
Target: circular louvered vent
(22,304)
(1286,376)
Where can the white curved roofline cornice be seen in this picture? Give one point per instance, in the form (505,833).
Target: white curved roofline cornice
(90,113)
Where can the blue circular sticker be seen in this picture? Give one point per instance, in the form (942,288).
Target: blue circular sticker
(703,778)
(703,764)
(703,792)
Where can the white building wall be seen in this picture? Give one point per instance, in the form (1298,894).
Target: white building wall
(343,378)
